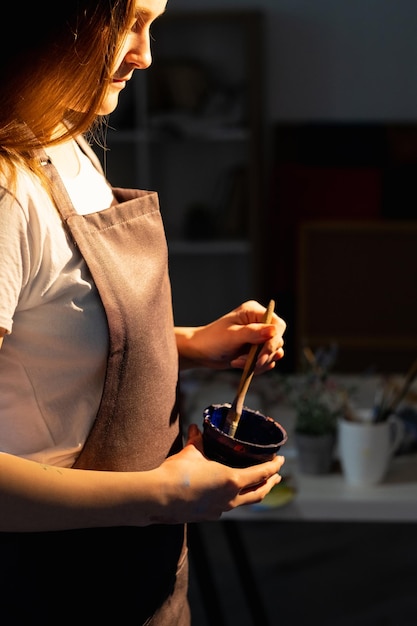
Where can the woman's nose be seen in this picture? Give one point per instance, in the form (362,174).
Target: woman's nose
(139,52)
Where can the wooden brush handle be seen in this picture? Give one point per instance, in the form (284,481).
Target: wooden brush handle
(235,411)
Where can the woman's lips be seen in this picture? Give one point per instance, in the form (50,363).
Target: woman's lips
(119,82)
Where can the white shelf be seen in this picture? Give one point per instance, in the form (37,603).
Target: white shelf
(329,498)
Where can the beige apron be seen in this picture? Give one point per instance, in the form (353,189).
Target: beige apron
(137,575)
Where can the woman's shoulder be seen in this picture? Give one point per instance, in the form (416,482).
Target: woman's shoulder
(20,187)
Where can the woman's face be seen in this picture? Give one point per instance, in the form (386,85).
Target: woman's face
(135,52)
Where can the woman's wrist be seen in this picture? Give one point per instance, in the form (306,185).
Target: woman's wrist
(189,357)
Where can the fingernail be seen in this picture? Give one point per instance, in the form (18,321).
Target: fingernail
(268,332)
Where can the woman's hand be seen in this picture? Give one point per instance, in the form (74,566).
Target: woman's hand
(198,489)
(226,342)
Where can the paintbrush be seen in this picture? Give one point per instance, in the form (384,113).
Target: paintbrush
(387,408)
(235,411)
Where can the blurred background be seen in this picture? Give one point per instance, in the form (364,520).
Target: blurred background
(281,136)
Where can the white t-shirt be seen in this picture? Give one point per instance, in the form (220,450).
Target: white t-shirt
(53,362)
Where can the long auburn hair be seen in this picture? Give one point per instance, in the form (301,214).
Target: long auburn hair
(56,69)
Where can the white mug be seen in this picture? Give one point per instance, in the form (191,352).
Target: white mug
(366,448)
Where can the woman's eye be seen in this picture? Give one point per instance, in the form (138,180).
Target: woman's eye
(135,27)
(139,23)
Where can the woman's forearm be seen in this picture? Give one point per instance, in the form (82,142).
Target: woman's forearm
(188,357)
(38,497)
(186,487)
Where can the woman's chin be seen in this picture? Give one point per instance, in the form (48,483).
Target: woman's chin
(110,103)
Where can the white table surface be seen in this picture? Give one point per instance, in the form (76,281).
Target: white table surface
(317,498)
(329,498)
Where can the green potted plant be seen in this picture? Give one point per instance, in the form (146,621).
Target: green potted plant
(318,402)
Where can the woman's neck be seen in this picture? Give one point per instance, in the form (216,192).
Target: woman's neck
(65,158)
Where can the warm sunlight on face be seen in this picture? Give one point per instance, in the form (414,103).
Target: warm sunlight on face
(135,52)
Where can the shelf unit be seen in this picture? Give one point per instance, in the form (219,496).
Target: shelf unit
(190,127)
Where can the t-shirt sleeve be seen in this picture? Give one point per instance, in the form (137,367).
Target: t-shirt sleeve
(14,255)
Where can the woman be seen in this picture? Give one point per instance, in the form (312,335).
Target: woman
(95,484)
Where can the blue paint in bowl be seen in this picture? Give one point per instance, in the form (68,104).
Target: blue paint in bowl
(257,439)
